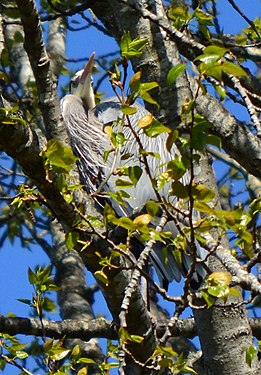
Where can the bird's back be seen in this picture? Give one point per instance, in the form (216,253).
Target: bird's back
(87,130)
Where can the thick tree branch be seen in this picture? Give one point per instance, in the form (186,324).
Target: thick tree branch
(21,143)
(237,140)
(97,328)
(40,63)
(69,328)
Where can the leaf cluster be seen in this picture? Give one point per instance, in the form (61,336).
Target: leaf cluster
(212,63)
(217,286)
(11,116)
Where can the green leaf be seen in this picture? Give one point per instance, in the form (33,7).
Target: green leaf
(118,196)
(121,183)
(208,60)
(142,220)
(134,174)
(162,180)
(172,137)
(59,156)
(215,71)
(168,352)
(210,300)
(86,360)
(215,50)
(101,276)
(124,43)
(57,354)
(229,218)
(131,47)
(214,140)
(71,239)
(174,72)
(219,278)
(135,82)
(188,370)
(179,190)
(148,98)
(128,110)
(43,274)
(250,354)
(202,17)
(126,223)
(152,154)
(123,222)
(179,14)
(152,208)
(76,352)
(221,91)
(155,128)
(202,193)
(176,168)
(32,277)
(138,44)
(92,220)
(48,345)
(233,69)
(2,364)
(219,291)
(137,339)
(48,304)
(126,337)
(147,86)
(145,121)
(178,256)
(21,354)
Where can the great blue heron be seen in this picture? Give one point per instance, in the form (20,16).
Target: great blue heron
(86,125)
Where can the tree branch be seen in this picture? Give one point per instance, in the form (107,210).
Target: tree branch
(237,140)
(97,328)
(40,63)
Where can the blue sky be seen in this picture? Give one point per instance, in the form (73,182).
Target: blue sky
(14,261)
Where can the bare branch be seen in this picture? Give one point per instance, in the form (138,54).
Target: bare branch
(251,23)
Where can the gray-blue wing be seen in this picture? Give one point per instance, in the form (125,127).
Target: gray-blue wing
(109,112)
(90,142)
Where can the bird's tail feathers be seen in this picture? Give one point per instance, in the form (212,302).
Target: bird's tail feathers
(168,269)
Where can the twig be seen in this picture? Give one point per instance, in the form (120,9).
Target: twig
(14,363)
(142,261)
(251,110)
(251,23)
(253,183)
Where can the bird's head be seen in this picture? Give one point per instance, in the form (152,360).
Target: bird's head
(81,84)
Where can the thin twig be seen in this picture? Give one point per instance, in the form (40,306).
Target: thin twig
(14,363)
(142,261)
(251,23)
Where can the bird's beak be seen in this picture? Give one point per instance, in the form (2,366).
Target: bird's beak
(84,89)
(88,69)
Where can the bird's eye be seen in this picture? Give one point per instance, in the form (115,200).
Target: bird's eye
(72,86)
